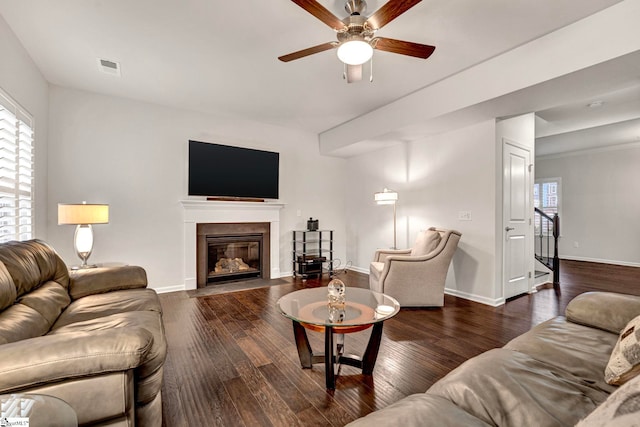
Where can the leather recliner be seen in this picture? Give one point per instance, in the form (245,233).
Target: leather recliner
(93,338)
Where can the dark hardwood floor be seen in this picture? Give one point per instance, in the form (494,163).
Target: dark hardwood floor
(232,359)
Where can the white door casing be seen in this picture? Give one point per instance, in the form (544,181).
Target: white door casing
(516,219)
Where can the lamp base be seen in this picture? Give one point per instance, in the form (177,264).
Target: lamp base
(83,244)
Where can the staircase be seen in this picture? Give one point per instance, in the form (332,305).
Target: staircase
(547,232)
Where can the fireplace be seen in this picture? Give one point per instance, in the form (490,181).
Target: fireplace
(232,251)
(197,212)
(233,257)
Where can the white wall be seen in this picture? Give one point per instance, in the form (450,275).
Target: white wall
(600,203)
(21,79)
(436,178)
(133,156)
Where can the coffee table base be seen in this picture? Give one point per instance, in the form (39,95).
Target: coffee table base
(308,359)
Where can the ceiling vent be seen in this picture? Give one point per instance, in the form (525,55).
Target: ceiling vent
(109,67)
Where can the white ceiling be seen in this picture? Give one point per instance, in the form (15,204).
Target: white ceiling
(221,56)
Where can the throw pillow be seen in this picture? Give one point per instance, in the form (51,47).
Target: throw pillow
(624,362)
(621,409)
(426,242)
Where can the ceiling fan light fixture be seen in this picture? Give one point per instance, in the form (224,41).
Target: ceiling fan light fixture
(355,52)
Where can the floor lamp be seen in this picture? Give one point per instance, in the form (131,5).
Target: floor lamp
(83,215)
(389,197)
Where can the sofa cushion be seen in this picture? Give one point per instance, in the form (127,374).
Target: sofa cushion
(494,386)
(426,242)
(34,313)
(621,409)
(32,263)
(20,322)
(149,320)
(577,349)
(8,293)
(624,363)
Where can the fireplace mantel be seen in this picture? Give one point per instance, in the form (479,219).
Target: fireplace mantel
(204,211)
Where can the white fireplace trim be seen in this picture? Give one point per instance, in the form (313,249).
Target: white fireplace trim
(204,211)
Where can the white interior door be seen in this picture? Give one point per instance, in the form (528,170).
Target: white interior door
(516,219)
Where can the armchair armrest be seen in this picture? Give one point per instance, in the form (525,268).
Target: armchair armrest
(603,310)
(382,254)
(106,279)
(55,357)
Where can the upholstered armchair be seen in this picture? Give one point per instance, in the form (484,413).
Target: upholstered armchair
(416,276)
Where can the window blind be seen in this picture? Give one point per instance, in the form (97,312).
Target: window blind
(16,171)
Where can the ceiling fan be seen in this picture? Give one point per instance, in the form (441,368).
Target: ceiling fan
(356,34)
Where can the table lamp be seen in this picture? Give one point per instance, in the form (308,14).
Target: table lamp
(83,215)
(389,197)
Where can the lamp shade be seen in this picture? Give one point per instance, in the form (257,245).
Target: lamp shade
(386,197)
(82,214)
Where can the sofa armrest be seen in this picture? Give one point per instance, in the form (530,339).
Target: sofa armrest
(57,357)
(399,270)
(418,410)
(106,279)
(382,254)
(603,310)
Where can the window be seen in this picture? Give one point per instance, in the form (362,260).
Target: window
(16,171)
(546,197)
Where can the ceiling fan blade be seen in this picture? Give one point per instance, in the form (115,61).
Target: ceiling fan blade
(403,48)
(320,12)
(390,11)
(308,51)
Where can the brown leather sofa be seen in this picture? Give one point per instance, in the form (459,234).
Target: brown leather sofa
(551,376)
(93,338)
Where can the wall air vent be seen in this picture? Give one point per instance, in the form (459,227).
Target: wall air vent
(109,67)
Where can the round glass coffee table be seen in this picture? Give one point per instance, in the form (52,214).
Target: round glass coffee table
(363,309)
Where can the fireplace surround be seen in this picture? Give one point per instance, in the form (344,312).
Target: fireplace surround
(200,211)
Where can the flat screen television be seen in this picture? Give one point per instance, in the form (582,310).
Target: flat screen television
(217,170)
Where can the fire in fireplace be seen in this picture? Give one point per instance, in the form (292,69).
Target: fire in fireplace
(235,257)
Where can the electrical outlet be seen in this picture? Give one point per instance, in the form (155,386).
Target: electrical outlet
(576,244)
(298,212)
(464,215)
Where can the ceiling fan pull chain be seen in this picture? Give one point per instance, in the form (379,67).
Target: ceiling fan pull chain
(344,71)
(371,70)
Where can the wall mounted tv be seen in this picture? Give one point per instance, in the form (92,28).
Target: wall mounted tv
(223,171)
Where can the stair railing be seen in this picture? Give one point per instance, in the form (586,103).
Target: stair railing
(547,236)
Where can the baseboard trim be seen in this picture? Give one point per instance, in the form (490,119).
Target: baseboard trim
(167,289)
(358,269)
(541,280)
(475,298)
(601,261)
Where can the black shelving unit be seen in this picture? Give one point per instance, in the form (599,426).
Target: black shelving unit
(312,251)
